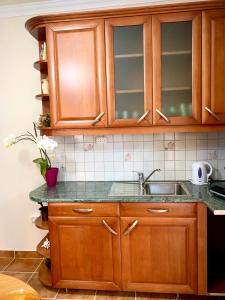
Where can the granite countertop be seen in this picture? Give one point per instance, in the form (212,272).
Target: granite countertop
(98,191)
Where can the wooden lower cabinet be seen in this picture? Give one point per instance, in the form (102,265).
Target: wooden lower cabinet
(84,253)
(152,247)
(159,254)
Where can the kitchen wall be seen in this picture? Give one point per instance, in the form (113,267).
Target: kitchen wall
(19,82)
(117,157)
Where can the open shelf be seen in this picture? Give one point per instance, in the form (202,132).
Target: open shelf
(129,55)
(39,223)
(43,97)
(176,52)
(129,91)
(45,275)
(41,65)
(43,251)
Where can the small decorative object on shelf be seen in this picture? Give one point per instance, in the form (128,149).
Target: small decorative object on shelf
(44,121)
(43,52)
(44,86)
(44,211)
(46,244)
(44,145)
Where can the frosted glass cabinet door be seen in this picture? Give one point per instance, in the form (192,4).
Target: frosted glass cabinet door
(129,69)
(177,68)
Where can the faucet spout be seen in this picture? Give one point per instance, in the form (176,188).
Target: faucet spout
(147,178)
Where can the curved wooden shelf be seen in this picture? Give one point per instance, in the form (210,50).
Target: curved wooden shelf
(45,275)
(43,97)
(41,65)
(43,251)
(39,223)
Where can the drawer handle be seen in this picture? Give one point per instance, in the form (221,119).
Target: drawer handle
(83,210)
(212,113)
(98,118)
(131,227)
(143,116)
(162,115)
(158,211)
(108,227)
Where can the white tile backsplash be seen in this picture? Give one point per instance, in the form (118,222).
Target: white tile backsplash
(121,156)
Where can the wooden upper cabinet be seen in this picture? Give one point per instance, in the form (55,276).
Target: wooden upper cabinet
(213,75)
(76,63)
(85,253)
(129,71)
(177,68)
(159,254)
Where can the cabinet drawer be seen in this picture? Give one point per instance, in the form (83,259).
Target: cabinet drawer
(158,209)
(83,209)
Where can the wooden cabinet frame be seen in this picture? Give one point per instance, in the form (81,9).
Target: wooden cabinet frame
(195,17)
(111,99)
(93,96)
(213,72)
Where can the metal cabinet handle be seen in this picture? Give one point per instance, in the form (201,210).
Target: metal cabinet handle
(108,227)
(98,118)
(131,227)
(158,211)
(212,113)
(83,210)
(143,116)
(162,115)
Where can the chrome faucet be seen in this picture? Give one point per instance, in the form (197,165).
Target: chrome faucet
(141,179)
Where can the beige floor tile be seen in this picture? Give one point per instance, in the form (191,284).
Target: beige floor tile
(8,253)
(76,294)
(22,276)
(27,254)
(24,265)
(43,291)
(104,295)
(154,296)
(4,262)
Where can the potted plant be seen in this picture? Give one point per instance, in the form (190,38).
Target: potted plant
(44,145)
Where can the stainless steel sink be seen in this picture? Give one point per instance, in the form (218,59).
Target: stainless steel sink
(166,188)
(153,188)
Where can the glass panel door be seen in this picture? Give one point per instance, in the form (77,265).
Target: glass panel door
(177,87)
(128,71)
(176,62)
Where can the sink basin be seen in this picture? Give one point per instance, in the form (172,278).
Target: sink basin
(153,188)
(166,188)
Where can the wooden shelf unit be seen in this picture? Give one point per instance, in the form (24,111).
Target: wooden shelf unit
(41,250)
(45,275)
(39,223)
(41,65)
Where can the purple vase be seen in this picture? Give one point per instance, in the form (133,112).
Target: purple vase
(51,176)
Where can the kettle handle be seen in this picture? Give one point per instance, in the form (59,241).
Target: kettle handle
(210,169)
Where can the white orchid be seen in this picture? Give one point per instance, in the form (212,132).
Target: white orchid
(43,143)
(9,140)
(46,143)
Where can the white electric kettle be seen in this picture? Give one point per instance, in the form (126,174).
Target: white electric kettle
(201,170)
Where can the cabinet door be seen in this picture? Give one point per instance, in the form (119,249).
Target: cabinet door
(159,254)
(77,74)
(213,75)
(129,71)
(177,68)
(85,253)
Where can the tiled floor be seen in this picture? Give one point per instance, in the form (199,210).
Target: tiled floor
(26,269)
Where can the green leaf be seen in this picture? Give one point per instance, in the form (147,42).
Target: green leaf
(43,164)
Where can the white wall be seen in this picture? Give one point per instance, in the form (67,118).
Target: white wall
(19,82)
